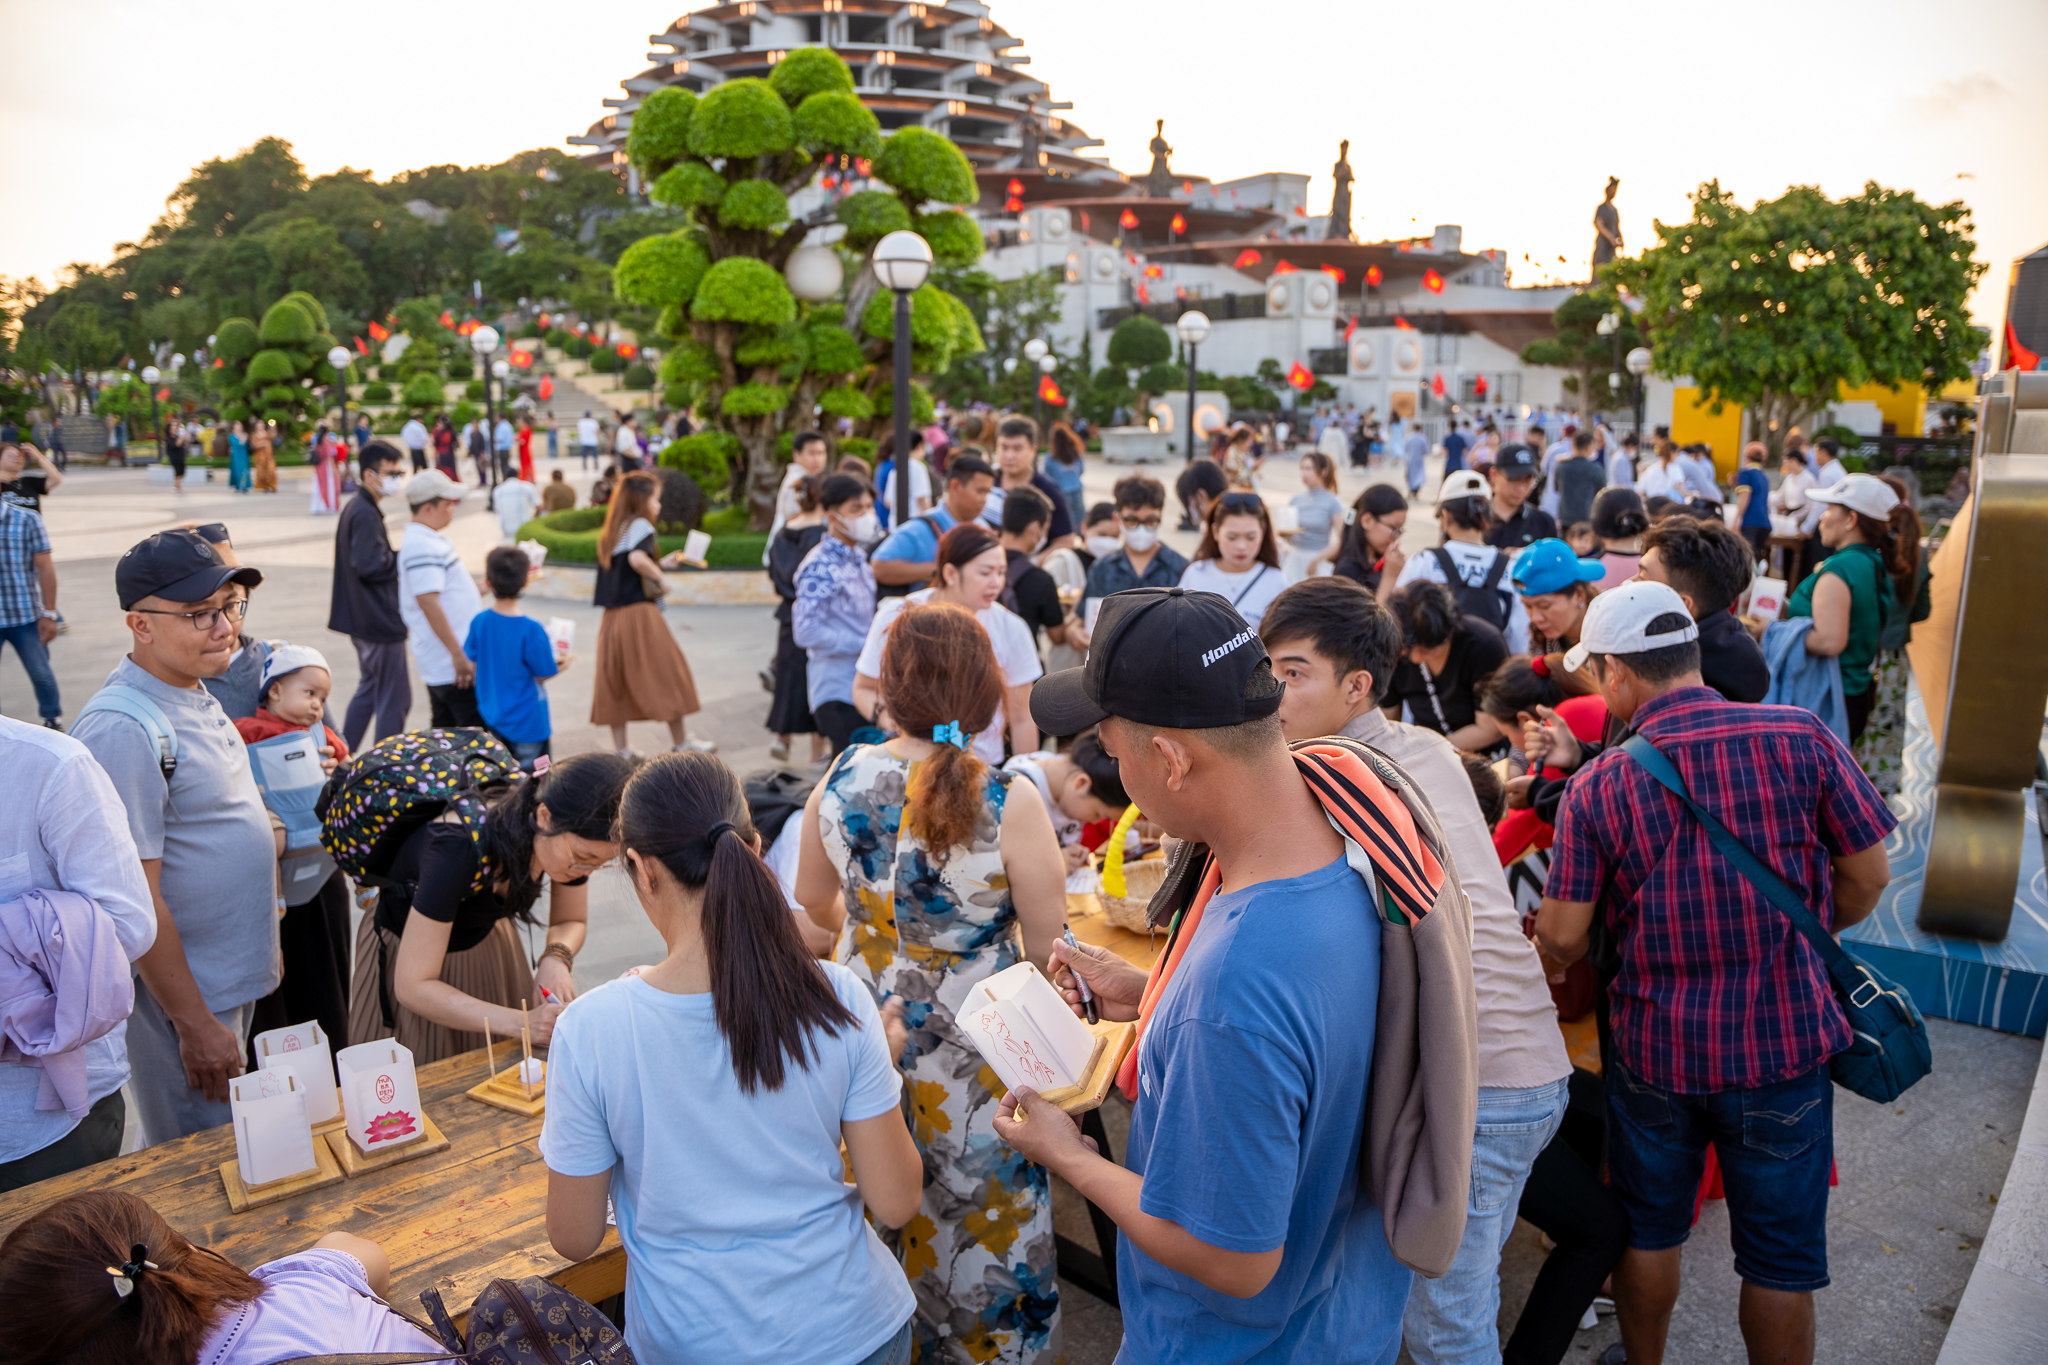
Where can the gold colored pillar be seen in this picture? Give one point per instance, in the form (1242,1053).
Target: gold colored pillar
(1989,731)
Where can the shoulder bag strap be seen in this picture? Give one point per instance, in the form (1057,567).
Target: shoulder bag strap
(135,704)
(1753,868)
(1249,586)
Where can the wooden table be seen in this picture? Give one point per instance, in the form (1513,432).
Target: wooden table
(1090,925)
(452,1220)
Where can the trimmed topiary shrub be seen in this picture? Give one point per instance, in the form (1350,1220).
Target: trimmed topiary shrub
(755,205)
(287,324)
(922,411)
(314,310)
(808,71)
(463,413)
(834,124)
(660,133)
(235,339)
(423,391)
(571,538)
(707,457)
(953,237)
(1165,377)
(271,367)
(558,337)
(531,329)
(742,289)
(844,401)
(778,347)
(638,377)
(605,361)
(579,347)
(377,392)
(474,391)
(742,118)
(833,349)
(459,367)
(689,363)
(925,166)
(858,445)
(754,400)
(870,216)
(661,271)
(689,185)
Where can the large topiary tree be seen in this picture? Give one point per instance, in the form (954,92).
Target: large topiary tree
(757,363)
(275,371)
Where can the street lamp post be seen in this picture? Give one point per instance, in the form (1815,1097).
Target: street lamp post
(1609,326)
(484,340)
(1639,365)
(1193,327)
(337,360)
(1034,352)
(501,459)
(901,262)
(150,374)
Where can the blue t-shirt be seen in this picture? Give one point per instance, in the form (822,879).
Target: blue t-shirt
(1454,452)
(1758,513)
(742,1241)
(1247,1130)
(512,655)
(915,540)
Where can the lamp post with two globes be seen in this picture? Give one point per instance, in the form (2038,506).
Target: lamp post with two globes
(1639,365)
(484,341)
(1193,327)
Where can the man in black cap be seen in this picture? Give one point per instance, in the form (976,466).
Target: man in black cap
(199,825)
(364,606)
(1517,522)
(1250,1076)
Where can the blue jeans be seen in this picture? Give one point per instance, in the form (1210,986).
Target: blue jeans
(894,1351)
(1454,1320)
(35,657)
(1775,1144)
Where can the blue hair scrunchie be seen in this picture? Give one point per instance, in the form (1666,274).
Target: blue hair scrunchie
(949,733)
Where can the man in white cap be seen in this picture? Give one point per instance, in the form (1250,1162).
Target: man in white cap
(438,599)
(1723,1016)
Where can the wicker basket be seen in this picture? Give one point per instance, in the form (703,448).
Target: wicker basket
(1141,880)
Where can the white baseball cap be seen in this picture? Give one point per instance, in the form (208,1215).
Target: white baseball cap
(1618,622)
(290,659)
(1463,483)
(1865,493)
(428,485)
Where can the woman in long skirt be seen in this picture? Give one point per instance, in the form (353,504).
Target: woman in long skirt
(641,671)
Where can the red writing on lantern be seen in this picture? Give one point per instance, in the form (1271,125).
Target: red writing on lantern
(385,1090)
(291,1042)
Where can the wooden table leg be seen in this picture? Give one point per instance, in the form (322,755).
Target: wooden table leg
(1094,1271)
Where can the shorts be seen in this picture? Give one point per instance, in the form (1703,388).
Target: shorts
(1775,1144)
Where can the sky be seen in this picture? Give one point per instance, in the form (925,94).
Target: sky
(1504,117)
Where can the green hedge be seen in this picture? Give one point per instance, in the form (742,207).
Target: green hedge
(571,538)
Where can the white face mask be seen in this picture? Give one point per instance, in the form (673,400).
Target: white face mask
(1141,538)
(863,528)
(1103,545)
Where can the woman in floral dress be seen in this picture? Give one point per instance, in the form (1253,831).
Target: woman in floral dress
(933,881)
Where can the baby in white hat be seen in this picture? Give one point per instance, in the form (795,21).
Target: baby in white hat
(296,682)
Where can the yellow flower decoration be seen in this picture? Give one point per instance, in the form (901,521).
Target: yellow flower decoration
(916,1241)
(982,1344)
(1113,863)
(927,1102)
(874,934)
(996,1223)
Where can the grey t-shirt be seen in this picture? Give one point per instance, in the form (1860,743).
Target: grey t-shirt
(219,859)
(240,689)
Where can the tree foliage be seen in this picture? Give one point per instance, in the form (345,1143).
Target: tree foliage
(754,361)
(1137,342)
(1591,358)
(1778,306)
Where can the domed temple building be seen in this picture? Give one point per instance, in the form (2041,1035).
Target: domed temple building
(1412,326)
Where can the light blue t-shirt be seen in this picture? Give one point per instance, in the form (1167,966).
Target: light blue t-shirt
(743,1243)
(917,540)
(1247,1130)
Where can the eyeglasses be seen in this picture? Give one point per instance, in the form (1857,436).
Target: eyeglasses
(207,620)
(1152,521)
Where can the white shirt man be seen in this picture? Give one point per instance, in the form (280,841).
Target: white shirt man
(414,434)
(432,583)
(1828,470)
(626,444)
(514,500)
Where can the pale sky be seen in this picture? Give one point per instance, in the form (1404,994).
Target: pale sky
(1498,115)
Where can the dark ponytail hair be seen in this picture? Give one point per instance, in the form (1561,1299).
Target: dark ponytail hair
(1467,514)
(53,1269)
(686,811)
(582,797)
(1897,540)
(1619,514)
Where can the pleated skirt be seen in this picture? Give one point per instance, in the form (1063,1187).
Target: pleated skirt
(495,971)
(641,671)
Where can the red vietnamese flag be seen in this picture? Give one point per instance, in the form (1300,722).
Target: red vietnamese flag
(1187,187)
(626,350)
(1132,257)
(1179,226)
(523,359)
(1144,294)
(2017,355)
(1084,220)
(1436,385)
(218,363)
(1300,212)
(1285,267)
(361,349)
(1479,386)
(862,165)
(1373,276)
(1349,328)
(547,387)
(447,320)
(1155,272)
(162,394)
(378,331)
(1246,258)
(1404,325)
(1335,272)
(1433,282)
(1127,220)
(1050,391)
(1300,377)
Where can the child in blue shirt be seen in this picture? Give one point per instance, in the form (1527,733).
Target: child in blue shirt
(513,658)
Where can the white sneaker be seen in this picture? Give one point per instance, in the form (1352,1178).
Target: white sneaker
(778,751)
(696,746)
(1590,1321)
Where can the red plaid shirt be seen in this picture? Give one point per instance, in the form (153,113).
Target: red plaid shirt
(1717,990)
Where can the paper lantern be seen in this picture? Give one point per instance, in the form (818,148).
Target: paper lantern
(1373,276)
(273,1134)
(814,273)
(1433,282)
(1334,272)
(1127,220)
(380,1095)
(1299,377)
(306,1051)
(1050,391)
(1246,259)
(378,331)
(1479,385)
(1179,226)
(1436,385)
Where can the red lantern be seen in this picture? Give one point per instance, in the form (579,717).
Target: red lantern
(1155,272)
(1334,272)
(1179,226)
(1373,276)
(1433,282)
(1050,391)
(1299,377)
(1015,187)
(1013,205)
(1127,220)
(1436,385)
(1479,386)
(1285,267)
(1246,259)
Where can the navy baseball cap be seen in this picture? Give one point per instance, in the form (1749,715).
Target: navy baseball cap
(1515,461)
(1550,565)
(1160,656)
(178,566)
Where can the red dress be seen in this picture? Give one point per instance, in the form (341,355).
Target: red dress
(526,453)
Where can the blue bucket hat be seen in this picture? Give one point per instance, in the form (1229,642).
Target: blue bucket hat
(1550,566)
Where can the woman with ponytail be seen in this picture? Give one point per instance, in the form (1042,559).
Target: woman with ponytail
(1874,535)
(706,1098)
(934,879)
(101,1279)
(438,957)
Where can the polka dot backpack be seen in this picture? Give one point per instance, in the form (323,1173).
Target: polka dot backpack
(382,796)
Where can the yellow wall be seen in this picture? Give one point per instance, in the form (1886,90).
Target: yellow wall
(1691,421)
(1905,408)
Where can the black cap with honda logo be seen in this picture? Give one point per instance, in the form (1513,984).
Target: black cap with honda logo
(1160,656)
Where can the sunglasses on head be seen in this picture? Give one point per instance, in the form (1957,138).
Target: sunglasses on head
(1243,502)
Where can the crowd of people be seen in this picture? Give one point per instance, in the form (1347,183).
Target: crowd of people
(1349,1079)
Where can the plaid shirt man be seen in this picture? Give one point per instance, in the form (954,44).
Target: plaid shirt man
(1717,991)
(22,538)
